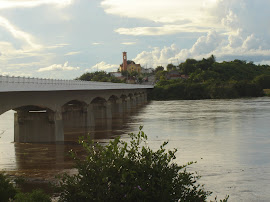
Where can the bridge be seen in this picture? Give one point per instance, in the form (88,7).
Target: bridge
(47,109)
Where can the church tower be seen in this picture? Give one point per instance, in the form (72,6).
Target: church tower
(124,61)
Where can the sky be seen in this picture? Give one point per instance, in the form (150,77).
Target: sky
(63,39)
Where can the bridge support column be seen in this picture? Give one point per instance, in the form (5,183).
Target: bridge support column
(128,105)
(38,126)
(58,127)
(90,120)
(140,100)
(144,98)
(109,107)
(117,113)
(99,113)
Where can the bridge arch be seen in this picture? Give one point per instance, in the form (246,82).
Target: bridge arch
(113,99)
(28,106)
(98,100)
(73,105)
(39,121)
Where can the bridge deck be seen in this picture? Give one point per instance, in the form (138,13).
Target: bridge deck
(23,84)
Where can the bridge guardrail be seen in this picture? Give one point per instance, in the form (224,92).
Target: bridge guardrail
(12,83)
(29,80)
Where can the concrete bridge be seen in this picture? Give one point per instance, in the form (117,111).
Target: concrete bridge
(46,109)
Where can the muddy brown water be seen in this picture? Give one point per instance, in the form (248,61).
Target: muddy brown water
(229,139)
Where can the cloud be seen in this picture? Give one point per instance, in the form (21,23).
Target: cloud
(172,16)
(128,43)
(206,44)
(241,29)
(264,62)
(58,67)
(156,10)
(213,43)
(61,45)
(157,56)
(103,66)
(7,4)
(73,53)
(19,34)
(163,30)
(97,43)
(15,73)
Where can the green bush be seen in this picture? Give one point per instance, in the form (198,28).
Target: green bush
(122,171)
(36,196)
(7,190)
(263,81)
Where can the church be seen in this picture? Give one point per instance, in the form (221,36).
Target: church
(129,65)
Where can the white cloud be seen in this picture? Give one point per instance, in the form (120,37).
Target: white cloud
(206,44)
(10,52)
(5,4)
(73,53)
(168,11)
(163,30)
(157,56)
(19,34)
(128,43)
(97,43)
(15,73)
(58,67)
(175,15)
(264,62)
(61,45)
(103,66)
(240,28)
(213,43)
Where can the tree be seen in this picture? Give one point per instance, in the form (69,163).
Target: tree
(35,196)
(263,80)
(7,191)
(189,66)
(101,76)
(171,67)
(122,171)
(159,68)
(134,74)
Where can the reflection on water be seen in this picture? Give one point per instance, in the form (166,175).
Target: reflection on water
(229,139)
(44,161)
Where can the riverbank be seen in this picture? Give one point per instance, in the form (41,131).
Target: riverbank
(186,90)
(208,79)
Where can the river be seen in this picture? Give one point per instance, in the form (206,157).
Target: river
(229,139)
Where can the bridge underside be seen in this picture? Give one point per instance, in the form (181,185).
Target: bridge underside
(57,116)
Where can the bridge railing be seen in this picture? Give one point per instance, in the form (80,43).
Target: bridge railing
(29,80)
(12,83)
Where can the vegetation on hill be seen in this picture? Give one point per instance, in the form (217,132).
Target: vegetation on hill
(101,76)
(208,79)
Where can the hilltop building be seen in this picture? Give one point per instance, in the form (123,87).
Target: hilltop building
(129,66)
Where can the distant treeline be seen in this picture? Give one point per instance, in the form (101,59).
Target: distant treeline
(101,76)
(208,79)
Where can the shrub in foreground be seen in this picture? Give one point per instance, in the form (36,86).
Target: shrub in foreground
(35,196)
(9,193)
(122,171)
(7,190)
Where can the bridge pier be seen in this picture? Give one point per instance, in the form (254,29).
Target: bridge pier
(76,120)
(117,108)
(38,126)
(109,116)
